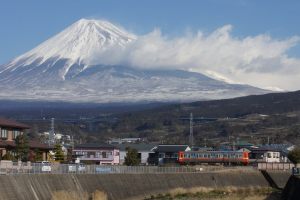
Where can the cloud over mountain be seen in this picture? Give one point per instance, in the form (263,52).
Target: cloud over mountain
(256,60)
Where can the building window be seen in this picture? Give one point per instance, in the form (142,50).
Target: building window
(16,134)
(269,155)
(4,133)
(104,155)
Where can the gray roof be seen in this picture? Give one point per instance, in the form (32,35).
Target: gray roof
(138,147)
(170,148)
(95,145)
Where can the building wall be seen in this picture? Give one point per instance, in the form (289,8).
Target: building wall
(10,135)
(271,156)
(113,158)
(116,156)
(144,156)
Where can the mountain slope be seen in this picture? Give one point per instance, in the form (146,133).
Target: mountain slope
(72,66)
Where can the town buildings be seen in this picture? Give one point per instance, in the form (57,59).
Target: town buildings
(9,130)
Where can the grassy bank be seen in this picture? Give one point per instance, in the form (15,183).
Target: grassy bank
(228,193)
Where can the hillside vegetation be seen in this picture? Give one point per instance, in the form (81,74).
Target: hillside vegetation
(253,118)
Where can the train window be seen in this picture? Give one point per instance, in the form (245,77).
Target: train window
(225,155)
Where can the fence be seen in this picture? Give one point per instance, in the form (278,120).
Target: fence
(54,168)
(275,166)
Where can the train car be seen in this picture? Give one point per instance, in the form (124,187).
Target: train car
(213,157)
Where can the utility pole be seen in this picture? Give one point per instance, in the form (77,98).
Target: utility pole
(191,138)
(51,133)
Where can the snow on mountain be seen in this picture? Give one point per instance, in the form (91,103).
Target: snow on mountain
(71,66)
(79,44)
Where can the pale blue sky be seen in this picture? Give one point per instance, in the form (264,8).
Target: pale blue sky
(25,24)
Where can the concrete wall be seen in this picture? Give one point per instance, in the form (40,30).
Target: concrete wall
(119,186)
(280,177)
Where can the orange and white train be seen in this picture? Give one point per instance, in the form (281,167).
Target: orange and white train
(214,157)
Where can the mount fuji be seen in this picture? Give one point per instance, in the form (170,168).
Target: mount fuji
(72,66)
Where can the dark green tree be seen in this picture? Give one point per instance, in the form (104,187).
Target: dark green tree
(58,153)
(132,157)
(22,147)
(38,155)
(294,155)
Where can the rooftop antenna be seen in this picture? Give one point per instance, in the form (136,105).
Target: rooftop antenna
(191,138)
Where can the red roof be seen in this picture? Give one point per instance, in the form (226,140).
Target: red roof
(12,124)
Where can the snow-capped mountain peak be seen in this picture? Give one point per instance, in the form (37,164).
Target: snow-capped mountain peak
(79,44)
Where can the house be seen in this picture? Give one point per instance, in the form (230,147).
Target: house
(94,153)
(144,150)
(164,154)
(266,154)
(9,130)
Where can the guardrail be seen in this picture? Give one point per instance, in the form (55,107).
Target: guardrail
(54,168)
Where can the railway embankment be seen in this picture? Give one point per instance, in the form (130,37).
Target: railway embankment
(119,186)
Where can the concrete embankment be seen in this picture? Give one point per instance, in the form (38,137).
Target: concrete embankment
(292,189)
(280,178)
(118,186)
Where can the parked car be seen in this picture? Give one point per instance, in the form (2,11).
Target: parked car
(45,166)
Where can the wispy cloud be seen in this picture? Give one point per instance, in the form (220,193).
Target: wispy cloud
(257,60)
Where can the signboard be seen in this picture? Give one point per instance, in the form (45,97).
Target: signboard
(296,171)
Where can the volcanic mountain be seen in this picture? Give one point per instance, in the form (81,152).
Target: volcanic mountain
(72,66)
